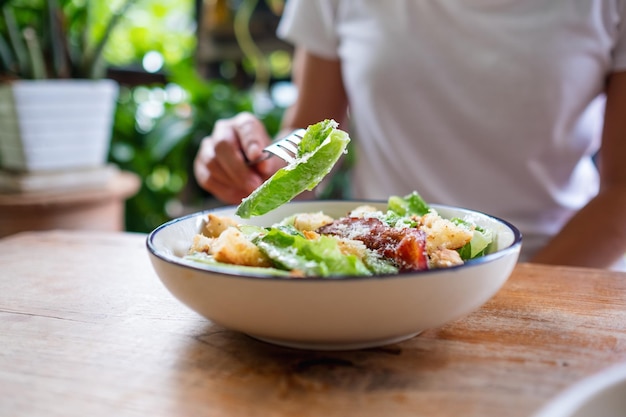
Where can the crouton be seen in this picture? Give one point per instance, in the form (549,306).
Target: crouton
(215,225)
(363,211)
(232,247)
(443,234)
(311,221)
(201,243)
(310,235)
(444,258)
(352,247)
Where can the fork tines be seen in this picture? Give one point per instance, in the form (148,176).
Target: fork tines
(287,147)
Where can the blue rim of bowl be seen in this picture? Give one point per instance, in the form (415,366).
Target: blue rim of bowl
(514,246)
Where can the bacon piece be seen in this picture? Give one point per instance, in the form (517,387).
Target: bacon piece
(406,247)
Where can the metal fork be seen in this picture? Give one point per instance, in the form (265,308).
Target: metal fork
(285,148)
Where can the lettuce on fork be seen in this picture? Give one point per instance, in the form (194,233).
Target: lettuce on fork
(321,147)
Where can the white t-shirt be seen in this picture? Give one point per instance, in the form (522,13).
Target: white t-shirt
(493,105)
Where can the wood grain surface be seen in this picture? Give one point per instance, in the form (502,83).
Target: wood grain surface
(87,329)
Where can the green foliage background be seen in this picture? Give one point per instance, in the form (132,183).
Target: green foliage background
(163,154)
(166,26)
(158,127)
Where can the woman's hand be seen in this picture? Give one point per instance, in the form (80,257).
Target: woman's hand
(220,167)
(221,164)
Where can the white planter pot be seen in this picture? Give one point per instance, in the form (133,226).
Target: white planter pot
(56,124)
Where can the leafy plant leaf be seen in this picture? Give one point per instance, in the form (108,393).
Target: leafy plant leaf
(16,41)
(91,63)
(57,40)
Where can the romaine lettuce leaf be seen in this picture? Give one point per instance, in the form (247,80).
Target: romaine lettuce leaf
(320,148)
(379,265)
(408,205)
(203,258)
(320,257)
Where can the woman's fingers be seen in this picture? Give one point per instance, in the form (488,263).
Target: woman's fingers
(221,164)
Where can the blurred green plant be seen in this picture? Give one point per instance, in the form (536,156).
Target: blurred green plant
(167,27)
(157,133)
(158,127)
(42,39)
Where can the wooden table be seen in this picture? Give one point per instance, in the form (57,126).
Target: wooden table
(87,329)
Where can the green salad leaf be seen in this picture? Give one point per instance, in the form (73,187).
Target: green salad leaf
(408,205)
(203,258)
(399,210)
(321,257)
(321,147)
(478,245)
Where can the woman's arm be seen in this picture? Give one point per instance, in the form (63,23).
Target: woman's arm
(321,93)
(596,235)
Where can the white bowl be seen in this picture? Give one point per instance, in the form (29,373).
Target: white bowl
(600,395)
(336,313)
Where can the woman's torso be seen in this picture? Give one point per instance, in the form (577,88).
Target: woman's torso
(495,105)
